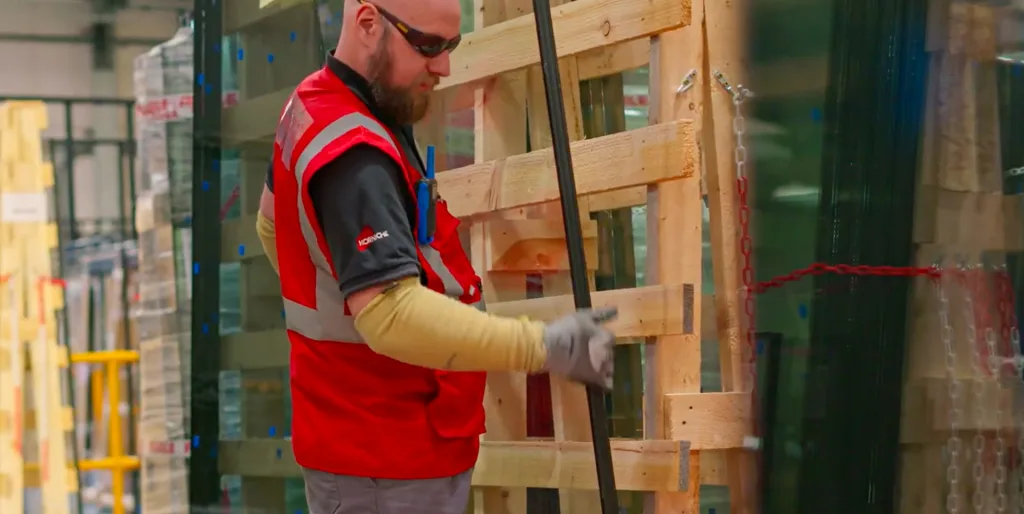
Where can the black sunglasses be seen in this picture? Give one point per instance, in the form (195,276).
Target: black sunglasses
(429,45)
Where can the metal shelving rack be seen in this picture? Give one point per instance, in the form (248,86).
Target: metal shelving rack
(249,57)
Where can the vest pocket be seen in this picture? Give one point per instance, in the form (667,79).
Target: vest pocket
(457,411)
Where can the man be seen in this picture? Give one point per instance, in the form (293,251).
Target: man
(388,351)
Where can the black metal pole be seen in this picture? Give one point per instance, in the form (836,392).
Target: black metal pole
(574,241)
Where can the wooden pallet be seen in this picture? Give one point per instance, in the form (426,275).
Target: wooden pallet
(508,203)
(27,240)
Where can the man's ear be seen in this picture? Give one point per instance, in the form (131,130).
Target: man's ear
(367,21)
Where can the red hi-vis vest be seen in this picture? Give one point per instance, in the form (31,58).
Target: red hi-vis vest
(356,412)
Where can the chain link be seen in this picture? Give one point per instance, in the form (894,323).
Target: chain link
(970,284)
(954,445)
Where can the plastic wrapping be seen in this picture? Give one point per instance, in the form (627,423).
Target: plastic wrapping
(163,90)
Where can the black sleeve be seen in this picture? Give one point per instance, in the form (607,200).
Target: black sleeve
(361,201)
(270,176)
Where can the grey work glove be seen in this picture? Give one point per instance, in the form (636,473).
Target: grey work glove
(580,348)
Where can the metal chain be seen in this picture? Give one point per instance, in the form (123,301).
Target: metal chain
(1012,334)
(996,367)
(978,388)
(739,128)
(954,445)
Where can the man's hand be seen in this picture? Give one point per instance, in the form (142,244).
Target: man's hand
(581,349)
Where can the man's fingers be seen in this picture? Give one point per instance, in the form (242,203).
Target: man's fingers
(604,314)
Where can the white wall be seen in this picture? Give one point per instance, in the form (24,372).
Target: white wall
(31,68)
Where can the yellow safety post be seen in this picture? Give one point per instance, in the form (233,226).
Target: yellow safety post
(116,462)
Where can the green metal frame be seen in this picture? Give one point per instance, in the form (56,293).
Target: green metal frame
(204,474)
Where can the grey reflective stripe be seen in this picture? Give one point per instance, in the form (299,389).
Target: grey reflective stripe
(327,321)
(452,287)
(312,324)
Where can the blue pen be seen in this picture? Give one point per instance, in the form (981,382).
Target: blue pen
(426,202)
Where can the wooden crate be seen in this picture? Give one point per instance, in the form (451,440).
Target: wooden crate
(28,338)
(963,217)
(507,200)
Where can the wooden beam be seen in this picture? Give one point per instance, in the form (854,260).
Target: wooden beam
(644,156)
(710,421)
(674,254)
(643,311)
(639,465)
(579,26)
(726,54)
(499,131)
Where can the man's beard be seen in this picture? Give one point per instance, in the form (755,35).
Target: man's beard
(403,105)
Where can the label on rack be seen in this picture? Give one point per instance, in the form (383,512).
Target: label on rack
(24,207)
(180,447)
(175,107)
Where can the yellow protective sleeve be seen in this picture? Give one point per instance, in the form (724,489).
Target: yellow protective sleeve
(265,229)
(415,325)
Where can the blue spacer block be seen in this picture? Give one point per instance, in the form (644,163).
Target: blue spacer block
(206,328)
(270,58)
(215,164)
(293,36)
(241,249)
(206,185)
(801,310)
(199,79)
(208,89)
(241,54)
(272,432)
(195,268)
(195,441)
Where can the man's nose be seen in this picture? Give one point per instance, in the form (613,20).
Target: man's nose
(441,65)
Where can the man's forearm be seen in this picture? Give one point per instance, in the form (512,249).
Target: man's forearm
(418,326)
(268,238)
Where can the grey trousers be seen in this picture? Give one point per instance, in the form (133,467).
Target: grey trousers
(341,494)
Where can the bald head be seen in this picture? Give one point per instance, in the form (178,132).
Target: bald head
(394,43)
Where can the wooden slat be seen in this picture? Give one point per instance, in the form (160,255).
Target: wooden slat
(643,311)
(579,26)
(643,156)
(639,465)
(710,421)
